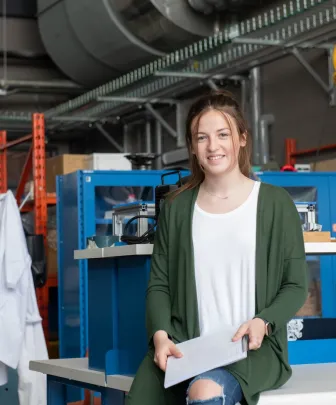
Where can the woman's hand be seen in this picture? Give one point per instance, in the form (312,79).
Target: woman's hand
(164,348)
(255,329)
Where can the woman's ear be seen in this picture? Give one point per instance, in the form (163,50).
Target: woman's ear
(243,140)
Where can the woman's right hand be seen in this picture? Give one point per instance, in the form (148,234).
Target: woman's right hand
(164,348)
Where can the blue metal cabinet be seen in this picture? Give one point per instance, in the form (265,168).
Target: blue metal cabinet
(321,269)
(83,199)
(117,334)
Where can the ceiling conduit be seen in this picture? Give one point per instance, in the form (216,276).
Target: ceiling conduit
(93,41)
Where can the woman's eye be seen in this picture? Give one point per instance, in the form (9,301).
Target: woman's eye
(200,138)
(223,135)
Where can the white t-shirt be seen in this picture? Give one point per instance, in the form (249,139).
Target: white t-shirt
(224,252)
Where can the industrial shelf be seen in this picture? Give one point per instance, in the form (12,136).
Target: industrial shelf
(292,153)
(316,248)
(320,248)
(35,164)
(115,251)
(29,205)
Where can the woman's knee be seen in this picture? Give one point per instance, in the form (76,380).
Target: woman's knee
(204,389)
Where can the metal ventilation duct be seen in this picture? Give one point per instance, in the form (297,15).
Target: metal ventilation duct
(208,6)
(93,41)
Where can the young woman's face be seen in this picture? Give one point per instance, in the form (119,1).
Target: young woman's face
(215,145)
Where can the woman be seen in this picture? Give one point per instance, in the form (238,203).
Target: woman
(228,251)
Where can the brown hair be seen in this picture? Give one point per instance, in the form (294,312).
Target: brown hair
(224,102)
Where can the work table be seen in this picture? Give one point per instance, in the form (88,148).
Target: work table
(313,248)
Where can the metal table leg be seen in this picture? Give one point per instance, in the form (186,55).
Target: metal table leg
(113,397)
(56,392)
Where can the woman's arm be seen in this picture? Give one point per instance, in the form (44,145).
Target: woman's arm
(158,311)
(294,287)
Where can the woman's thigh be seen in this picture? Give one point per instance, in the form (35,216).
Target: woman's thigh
(231,391)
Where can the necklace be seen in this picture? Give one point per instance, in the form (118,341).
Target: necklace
(214,195)
(217,196)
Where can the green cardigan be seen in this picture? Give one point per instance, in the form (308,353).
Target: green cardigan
(281,290)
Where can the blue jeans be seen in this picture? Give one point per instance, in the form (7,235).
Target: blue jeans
(231,391)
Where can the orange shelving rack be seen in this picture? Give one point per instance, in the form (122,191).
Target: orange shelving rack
(292,153)
(36,164)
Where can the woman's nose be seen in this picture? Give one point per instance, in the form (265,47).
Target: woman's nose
(213,144)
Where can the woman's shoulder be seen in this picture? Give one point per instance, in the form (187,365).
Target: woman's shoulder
(277,198)
(276,193)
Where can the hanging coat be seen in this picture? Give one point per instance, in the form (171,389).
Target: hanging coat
(21,333)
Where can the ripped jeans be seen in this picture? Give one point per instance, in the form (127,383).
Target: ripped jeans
(231,391)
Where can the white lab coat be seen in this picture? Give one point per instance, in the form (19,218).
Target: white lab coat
(21,333)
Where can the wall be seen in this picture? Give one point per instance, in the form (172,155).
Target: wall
(93,141)
(300,106)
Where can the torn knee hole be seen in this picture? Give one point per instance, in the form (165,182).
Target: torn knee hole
(204,389)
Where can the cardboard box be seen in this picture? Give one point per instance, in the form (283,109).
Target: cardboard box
(108,161)
(324,236)
(324,166)
(51,261)
(62,164)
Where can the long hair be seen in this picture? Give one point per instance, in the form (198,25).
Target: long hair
(225,103)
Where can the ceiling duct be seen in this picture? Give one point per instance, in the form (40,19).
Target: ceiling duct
(230,7)
(93,41)
(208,6)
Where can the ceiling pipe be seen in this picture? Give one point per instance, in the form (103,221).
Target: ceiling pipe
(49,84)
(256,112)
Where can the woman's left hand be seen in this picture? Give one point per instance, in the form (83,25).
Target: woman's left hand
(255,329)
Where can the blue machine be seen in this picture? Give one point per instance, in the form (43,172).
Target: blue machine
(84,198)
(320,309)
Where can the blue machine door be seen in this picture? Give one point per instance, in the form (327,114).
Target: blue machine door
(312,333)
